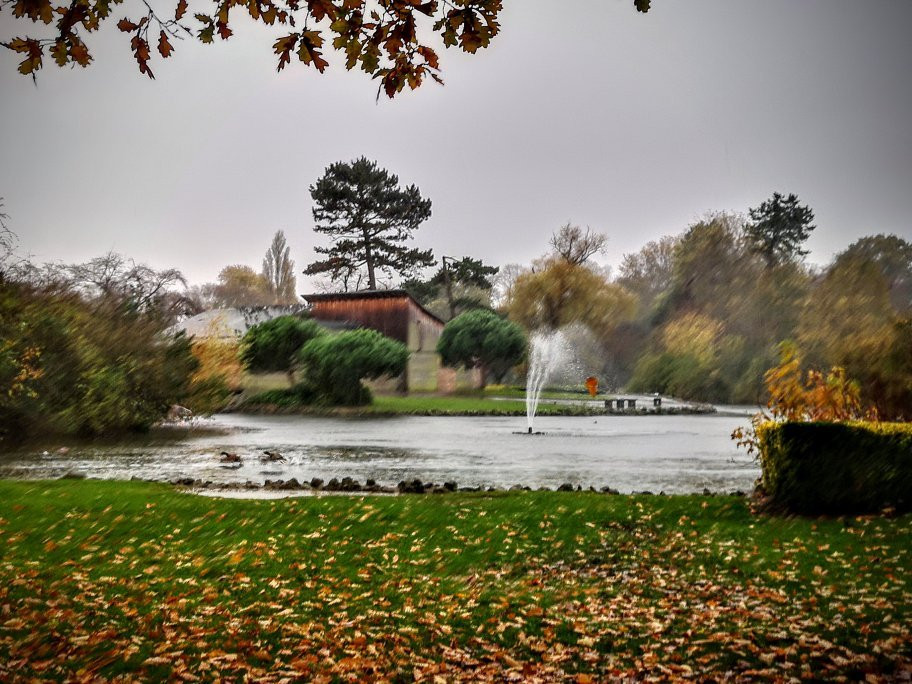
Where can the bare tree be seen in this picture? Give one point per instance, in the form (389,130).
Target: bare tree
(503,284)
(7,240)
(649,272)
(278,270)
(113,275)
(575,246)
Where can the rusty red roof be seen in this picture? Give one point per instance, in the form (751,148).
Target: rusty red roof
(369,294)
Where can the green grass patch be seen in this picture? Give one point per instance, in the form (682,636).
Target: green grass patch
(460,405)
(105,578)
(292,400)
(553,393)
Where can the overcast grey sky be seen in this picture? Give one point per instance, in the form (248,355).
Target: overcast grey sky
(635,125)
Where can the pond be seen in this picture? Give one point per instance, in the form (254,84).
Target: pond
(670,453)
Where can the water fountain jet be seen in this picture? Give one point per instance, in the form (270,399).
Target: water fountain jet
(548,351)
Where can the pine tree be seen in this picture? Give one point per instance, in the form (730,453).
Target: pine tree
(369,218)
(779,227)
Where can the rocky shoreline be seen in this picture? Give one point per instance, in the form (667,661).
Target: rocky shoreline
(348,485)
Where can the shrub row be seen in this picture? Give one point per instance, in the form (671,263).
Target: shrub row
(832,468)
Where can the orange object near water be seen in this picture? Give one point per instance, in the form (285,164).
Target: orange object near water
(592,385)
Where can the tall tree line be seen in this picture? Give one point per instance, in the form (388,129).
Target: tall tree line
(701,314)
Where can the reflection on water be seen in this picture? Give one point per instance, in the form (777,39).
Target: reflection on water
(631,453)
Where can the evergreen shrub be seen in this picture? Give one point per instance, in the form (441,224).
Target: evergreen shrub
(834,468)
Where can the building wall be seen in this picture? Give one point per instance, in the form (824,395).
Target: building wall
(400,318)
(422,371)
(450,379)
(423,331)
(387,385)
(387,315)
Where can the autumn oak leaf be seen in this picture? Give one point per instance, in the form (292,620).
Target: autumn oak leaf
(206,34)
(283,47)
(36,10)
(79,53)
(224,32)
(164,47)
(322,8)
(60,52)
(309,50)
(32,48)
(370,58)
(18,45)
(430,57)
(141,53)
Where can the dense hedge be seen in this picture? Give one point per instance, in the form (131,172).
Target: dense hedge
(813,468)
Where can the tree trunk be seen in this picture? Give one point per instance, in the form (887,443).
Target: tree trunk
(449,287)
(369,260)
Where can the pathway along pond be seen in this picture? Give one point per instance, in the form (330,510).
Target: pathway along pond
(674,454)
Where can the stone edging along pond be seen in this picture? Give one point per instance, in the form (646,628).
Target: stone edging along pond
(348,485)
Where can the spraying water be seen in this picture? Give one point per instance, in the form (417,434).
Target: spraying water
(548,351)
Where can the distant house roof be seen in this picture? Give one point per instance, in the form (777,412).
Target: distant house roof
(233,322)
(368,294)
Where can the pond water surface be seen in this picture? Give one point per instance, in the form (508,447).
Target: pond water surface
(670,453)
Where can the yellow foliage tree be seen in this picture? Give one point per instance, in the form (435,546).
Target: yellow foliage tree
(560,292)
(695,335)
(812,397)
(848,318)
(796,396)
(219,371)
(20,368)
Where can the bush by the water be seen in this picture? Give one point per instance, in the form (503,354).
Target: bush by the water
(336,364)
(302,394)
(832,468)
(271,346)
(482,339)
(74,364)
(822,450)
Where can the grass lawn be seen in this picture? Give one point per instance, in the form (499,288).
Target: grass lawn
(520,393)
(456,405)
(99,579)
(432,405)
